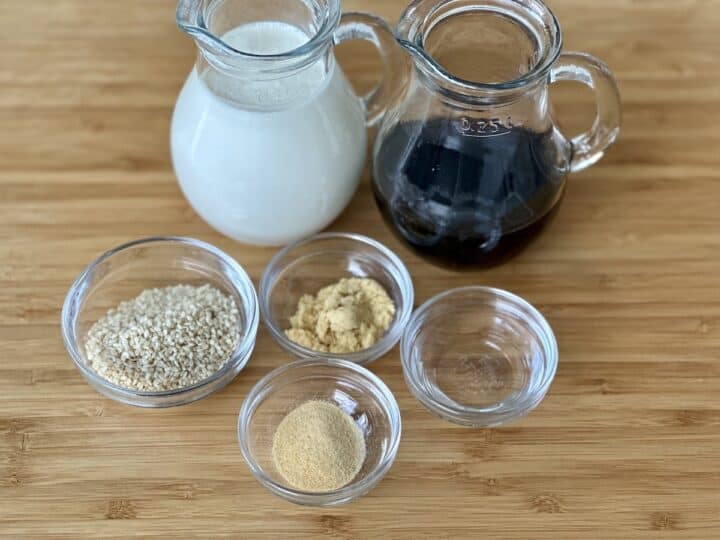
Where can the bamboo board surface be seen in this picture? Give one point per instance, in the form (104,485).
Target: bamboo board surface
(627,442)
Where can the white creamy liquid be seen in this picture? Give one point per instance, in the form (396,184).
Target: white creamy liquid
(269,176)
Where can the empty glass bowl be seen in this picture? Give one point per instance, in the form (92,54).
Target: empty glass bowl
(309,265)
(351,387)
(124,272)
(478,356)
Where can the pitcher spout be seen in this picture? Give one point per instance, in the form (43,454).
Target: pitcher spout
(485,51)
(187,13)
(189,18)
(410,23)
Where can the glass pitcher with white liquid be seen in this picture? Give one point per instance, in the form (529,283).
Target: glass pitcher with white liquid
(268,138)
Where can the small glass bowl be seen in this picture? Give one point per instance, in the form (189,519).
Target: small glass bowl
(354,389)
(123,273)
(309,265)
(478,356)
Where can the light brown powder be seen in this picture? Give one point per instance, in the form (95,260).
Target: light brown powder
(318,447)
(347,316)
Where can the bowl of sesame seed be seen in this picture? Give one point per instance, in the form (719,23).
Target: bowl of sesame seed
(160,322)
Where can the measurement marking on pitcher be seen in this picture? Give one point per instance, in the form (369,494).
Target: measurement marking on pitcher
(485,127)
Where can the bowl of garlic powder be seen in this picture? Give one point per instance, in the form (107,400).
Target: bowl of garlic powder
(160,322)
(319,432)
(336,295)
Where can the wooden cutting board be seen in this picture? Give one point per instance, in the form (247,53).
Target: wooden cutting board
(627,443)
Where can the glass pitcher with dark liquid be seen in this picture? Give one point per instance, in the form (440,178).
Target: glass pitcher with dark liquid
(470,165)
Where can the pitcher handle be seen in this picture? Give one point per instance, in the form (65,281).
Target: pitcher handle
(378,32)
(589,147)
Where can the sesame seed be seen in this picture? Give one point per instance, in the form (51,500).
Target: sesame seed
(165,338)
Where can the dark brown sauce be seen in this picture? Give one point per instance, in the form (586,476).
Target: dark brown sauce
(462,199)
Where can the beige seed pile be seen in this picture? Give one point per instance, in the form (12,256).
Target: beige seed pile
(317,447)
(164,338)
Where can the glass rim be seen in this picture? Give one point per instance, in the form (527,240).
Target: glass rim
(410,34)
(243,287)
(349,491)
(191,20)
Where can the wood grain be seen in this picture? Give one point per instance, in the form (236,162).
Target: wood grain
(627,443)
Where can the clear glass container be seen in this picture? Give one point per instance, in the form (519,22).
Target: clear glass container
(470,165)
(124,272)
(351,387)
(478,356)
(268,138)
(311,264)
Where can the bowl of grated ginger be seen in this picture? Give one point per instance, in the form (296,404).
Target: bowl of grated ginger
(336,295)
